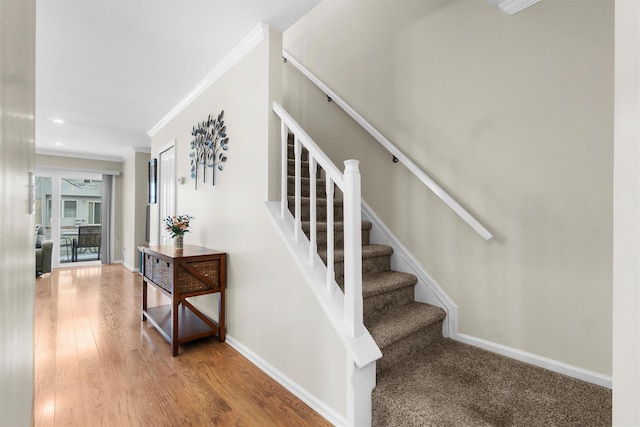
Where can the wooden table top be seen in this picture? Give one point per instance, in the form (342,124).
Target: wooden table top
(188,251)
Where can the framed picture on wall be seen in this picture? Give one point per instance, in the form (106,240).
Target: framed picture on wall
(153,183)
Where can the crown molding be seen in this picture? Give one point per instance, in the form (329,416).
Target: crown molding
(86,156)
(250,41)
(511,7)
(70,171)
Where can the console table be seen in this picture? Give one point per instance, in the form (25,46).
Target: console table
(181,274)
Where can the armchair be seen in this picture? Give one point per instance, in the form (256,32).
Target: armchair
(44,252)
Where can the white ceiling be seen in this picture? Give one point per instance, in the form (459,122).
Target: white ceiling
(112,69)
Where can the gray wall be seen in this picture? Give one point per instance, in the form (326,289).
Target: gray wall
(514,116)
(134,203)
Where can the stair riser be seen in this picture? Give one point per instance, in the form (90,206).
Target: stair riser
(376,304)
(408,346)
(369,265)
(321,212)
(321,189)
(338,237)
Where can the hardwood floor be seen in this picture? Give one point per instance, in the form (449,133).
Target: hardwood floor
(97,363)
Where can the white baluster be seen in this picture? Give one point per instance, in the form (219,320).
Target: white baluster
(313,247)
(353,317)
(330,260)
(284,133)
(297,148)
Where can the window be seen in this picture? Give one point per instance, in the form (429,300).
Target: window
(95,213)
(69,208)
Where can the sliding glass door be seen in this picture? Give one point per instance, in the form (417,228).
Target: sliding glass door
(80,225)
(68,205)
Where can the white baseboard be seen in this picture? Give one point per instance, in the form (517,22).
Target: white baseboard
(320,407)
(127,266)
(534,359)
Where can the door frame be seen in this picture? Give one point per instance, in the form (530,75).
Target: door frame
(166,188)
(56,176)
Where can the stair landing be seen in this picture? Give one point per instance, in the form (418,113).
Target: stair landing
(454,384)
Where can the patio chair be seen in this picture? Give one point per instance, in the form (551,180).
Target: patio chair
(88,237)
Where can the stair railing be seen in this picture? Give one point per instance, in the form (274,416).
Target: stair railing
(349,183)
(398,155)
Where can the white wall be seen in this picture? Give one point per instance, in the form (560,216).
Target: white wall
(626,249)
(270,310)
(17,259)
(512,115)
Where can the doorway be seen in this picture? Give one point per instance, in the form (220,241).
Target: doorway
(69,206)
(166,189)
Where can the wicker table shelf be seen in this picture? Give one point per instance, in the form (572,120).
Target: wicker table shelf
(191,272)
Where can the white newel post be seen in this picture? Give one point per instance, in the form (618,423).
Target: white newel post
(360,383)
(352,250)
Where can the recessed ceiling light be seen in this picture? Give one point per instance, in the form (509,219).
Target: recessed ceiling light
(59,121)
(59,144)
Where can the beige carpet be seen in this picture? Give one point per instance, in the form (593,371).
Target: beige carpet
(454,384)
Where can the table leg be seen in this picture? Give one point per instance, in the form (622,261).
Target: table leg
(221,323)
(144,299)
(175,336)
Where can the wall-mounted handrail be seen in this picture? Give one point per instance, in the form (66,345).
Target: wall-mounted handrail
(402,158)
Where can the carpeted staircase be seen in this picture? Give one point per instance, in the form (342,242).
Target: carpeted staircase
(400,326)
(424,379)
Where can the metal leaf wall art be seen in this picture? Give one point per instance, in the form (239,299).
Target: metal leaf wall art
(208,148)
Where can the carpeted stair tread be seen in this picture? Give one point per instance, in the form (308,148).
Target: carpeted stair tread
(338,234)
(453,384)
(337,226)
(387,281)
(304,167)
(305,187)
(306,201)
(368,251)
(291,163)
(399,322)
(304,154)
(306,181)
